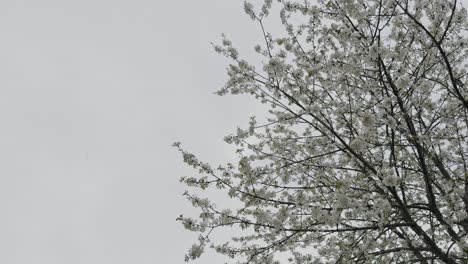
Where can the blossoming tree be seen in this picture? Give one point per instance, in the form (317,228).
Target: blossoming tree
(363,157)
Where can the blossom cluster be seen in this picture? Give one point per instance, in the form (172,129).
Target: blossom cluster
(364,153)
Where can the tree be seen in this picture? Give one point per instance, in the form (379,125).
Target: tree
(363,155)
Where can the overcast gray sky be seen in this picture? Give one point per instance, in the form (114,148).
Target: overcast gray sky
(92,95)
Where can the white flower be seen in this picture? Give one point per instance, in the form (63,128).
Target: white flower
(195,251)
(263,217)
(382,205)
(258,48)
(248,8)
(357,144)
(343,201)
(391,180)
(368,119)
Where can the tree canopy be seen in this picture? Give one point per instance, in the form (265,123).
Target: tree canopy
(363,154)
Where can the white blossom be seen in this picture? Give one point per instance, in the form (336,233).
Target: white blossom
(249,10)
(361,156)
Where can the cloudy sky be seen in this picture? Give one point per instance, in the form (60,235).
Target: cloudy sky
(92,95)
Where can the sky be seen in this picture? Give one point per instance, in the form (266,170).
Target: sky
(92,95)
